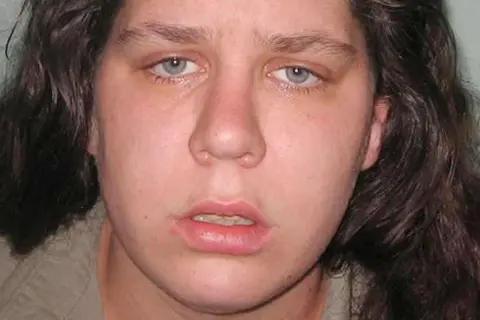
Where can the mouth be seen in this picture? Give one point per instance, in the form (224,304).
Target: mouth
(231,213)
(223,219)
(236,228)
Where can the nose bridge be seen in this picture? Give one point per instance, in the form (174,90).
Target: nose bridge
(227,127)
(229,108)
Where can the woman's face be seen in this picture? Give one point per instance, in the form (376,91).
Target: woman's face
(261,111)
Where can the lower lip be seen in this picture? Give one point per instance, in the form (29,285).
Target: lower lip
(234,240)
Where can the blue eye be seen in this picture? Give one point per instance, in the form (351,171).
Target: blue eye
(296,76)
(174,67)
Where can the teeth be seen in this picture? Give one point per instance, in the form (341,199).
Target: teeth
(223,220)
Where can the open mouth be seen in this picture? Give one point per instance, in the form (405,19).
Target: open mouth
(223,219)
(236,228)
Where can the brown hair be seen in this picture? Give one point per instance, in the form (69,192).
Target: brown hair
(413,224)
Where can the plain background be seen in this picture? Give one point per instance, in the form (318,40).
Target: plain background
(465,17)
(464,14)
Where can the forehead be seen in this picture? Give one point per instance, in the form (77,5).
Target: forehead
(246,18)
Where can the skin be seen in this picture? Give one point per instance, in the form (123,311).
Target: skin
(231,126)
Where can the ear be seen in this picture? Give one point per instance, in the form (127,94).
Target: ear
(377,128)
(93,137)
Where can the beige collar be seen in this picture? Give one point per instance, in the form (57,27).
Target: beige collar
(59,280)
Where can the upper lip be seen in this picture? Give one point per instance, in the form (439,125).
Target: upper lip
(239,208)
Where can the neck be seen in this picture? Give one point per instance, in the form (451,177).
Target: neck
(127,294)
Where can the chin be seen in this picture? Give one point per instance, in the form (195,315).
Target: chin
(222,304)
(222,288)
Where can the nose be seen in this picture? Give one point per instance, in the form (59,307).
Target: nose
(227,128)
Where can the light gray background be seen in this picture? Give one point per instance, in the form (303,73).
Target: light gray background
(9,10)
(465,18)
(464,14)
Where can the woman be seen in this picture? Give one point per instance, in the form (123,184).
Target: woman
(255,160)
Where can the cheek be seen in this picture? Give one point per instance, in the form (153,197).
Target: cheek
(318,147)
(139,147)
(313,162)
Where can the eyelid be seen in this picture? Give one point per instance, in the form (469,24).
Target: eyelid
(155,62)
(281,75)
(185,73)
(155,58)
(151,61)
(320,71)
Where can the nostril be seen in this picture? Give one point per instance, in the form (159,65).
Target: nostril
(204,158)
(247,160)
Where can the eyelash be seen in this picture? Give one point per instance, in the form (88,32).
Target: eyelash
(171,79)
(304,90)
(283,85)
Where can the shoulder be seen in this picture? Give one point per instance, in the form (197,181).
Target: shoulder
(339,298)
(52,280)
(8,264)
(346,294)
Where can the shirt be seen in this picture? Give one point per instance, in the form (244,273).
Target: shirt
(58,280)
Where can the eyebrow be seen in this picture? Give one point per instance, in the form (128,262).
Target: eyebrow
(172,33)
(314,41)
(280,43)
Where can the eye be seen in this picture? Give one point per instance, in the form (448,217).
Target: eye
(297,76)
(174,67)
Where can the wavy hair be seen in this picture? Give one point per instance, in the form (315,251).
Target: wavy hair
(412,229)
